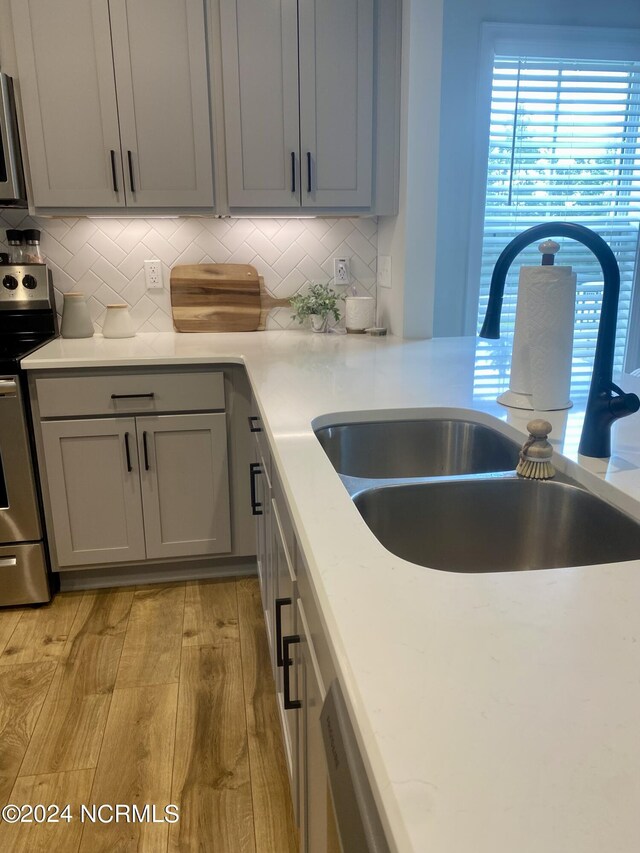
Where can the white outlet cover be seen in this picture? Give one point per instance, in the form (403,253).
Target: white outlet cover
(341,272)
(153,275)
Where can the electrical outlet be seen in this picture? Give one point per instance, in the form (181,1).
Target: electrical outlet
(384,271)
(153,275)
(341,271)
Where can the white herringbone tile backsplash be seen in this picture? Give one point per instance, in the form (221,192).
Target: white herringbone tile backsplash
(103,257)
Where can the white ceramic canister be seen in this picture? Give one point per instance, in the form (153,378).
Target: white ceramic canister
(118,322)
(76,321)
(359,313)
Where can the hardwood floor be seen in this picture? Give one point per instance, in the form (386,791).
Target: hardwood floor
(144,696)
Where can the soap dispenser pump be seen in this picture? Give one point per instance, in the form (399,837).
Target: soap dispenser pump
(543,339)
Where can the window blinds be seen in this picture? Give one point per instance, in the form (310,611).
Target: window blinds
(564,144)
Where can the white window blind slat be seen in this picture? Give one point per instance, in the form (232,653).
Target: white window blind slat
(564,144)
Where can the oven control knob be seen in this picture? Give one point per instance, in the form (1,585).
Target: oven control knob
(29,282)
(10,282)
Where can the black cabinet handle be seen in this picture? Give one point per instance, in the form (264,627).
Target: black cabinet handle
(254,470)
(308,171)
(280,603)
(149,396)
(293,171)
(289,703)
(131,181)
(146,452)
(128,452)
(252,426)
(113,171)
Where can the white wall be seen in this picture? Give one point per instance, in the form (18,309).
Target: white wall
(410,237)
(462,25)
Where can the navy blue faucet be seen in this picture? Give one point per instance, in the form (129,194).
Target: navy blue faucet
(606,402)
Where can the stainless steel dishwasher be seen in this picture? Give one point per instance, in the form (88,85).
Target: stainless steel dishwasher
(357,818)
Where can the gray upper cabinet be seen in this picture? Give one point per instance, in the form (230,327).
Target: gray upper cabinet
(336,102)
(260,79)
(298,82)
(69,102)
(116,102)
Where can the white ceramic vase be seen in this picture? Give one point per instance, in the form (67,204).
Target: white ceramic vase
(76,320)
(118,322)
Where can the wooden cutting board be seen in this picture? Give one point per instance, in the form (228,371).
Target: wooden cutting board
(220,298)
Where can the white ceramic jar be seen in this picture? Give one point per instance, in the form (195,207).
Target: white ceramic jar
(118,322)
(359,313)
(76,320)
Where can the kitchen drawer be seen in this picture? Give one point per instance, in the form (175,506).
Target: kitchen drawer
(257,428)
(129,393)
(286,525)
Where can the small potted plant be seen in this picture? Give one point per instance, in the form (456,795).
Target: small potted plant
(319,301)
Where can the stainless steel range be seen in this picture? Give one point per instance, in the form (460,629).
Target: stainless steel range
(27,320)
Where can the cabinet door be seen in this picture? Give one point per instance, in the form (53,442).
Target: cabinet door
(285,625)
(160,59)
(260,82)
(94,490)
(185,484)
(336,102)
(318,833)
(68,96)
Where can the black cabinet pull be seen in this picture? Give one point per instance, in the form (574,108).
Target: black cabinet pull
(289,703)
(280,603)
(128,452)
(254,470)
(149,396)
(293,171)
(113,171)
(252,426)
(146,452)
(308,171)
(131,181)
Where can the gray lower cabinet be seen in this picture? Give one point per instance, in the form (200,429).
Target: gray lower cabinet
(130,489)
(94,490)
(185,484)
(299,123)
(115,98)
(318,831)
(300,687)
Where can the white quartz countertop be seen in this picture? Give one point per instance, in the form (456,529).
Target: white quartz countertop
(498,713)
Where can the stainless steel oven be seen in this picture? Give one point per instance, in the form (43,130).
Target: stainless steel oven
(27,320)
(23,567)
(12,185)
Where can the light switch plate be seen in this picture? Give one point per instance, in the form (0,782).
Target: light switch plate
(384,271)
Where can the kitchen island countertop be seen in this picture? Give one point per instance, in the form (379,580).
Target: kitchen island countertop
(496,712)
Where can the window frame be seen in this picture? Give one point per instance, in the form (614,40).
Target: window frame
(539,40)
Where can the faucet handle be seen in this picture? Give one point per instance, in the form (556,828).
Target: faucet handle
(549,249)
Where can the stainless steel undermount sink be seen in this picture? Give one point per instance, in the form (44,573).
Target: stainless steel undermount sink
(465,509)
(416,448)
(498,525)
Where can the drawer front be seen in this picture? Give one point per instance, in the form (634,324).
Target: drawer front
(129,393)
(23,575)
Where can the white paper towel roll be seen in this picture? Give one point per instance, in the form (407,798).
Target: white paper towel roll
(543,339)
(551,301)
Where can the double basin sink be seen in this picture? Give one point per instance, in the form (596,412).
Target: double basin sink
(443,493)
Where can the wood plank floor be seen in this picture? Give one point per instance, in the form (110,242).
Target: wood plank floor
(145,696)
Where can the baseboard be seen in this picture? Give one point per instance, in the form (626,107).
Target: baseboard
(166,573)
